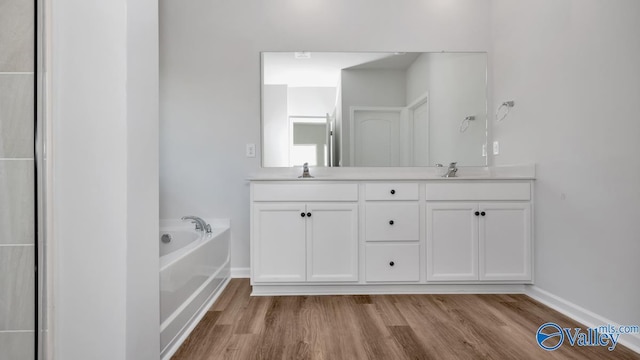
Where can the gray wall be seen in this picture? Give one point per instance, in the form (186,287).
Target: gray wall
(575,86)
(17,235)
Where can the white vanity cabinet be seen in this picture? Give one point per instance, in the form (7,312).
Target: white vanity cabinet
(489,240)
(304,233)
(351,236)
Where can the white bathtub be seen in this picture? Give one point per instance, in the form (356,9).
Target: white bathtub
(194,269)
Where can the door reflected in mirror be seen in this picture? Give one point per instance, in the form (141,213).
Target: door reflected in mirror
(373,109)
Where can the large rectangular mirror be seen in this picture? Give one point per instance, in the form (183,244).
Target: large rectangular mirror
(374,108)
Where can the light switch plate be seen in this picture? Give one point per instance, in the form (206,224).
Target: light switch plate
(251,150)
(496,148)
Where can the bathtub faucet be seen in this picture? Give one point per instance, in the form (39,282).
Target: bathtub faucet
(200,224)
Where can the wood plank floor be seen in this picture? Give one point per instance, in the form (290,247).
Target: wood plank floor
(393,327)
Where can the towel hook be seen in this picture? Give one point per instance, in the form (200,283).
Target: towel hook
(507,105)
(464,125)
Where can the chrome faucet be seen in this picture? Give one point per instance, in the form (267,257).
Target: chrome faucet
(200,224)
(305,171)
(451,171)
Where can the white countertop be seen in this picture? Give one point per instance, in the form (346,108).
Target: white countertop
(512,172)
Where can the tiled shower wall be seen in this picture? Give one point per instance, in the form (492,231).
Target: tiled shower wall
(17,199)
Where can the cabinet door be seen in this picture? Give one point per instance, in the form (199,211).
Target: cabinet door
(452,241)
(505,241)
(332,242)
(278,241)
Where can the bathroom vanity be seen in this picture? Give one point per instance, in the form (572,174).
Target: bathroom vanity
(384,233)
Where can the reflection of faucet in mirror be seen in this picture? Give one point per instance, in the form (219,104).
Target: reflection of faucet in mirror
(305,171)
(451,171)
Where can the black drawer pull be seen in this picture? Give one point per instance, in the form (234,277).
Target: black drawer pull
(393,191)
(477,213)
(391,263)
(303,214)
(483,213)
(308,214)
(390,222)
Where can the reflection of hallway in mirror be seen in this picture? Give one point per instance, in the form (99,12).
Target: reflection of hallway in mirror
(308,141)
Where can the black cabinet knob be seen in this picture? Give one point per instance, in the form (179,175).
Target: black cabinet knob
(393,191)
(477,213)
(308,214)
(391,263)
(390,222)
(303,214)
(483,213)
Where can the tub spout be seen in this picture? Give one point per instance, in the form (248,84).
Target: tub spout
(200,224)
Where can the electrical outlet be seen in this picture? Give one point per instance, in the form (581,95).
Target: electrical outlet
(496,148)
(251,150)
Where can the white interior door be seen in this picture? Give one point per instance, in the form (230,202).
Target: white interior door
(376,137)
(420,116)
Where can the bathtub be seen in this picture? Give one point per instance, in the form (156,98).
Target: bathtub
(194,269)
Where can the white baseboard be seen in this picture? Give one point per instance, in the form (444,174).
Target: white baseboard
(385,289)
(580,314)
(242,273)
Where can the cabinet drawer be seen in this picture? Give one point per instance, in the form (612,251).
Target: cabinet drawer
(396,262)
(479,191)
(387,221)
(391,191)
(297,191)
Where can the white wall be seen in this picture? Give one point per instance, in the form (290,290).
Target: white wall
(311,101)
(456,84)
(142,92)
(104,101)
(418,78)
(210,81)
(275,125)
(571,66)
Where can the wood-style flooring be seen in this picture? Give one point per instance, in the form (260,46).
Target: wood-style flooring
(393,327)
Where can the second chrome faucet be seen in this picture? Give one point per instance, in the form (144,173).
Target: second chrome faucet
(305,171)
(451,171)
